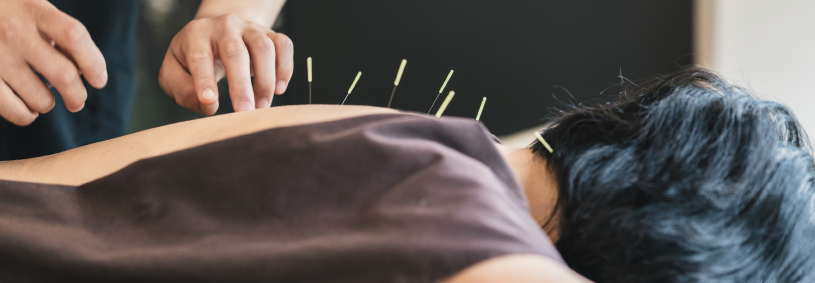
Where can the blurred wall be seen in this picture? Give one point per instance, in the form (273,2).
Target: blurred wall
(525,56)
(158,23)
(766,46)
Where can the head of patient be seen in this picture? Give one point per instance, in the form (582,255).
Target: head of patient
(683,178)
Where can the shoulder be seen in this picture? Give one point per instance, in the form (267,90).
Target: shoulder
(519,268)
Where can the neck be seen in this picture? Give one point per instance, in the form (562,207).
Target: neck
(539,184)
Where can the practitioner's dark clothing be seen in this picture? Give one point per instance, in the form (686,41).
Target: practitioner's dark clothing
(379,198)
(111,25)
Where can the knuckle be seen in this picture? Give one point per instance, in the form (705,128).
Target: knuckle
(41,8)
(195,24)
(73,32)
(40,102)
(263,43)
(31,5)
(228,19)
(241,91)
(286,68)
(199,56)
(64,77)
(234,49)
(285,41)
(10,29)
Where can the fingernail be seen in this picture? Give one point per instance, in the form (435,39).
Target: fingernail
(209,95)
(262,103)
(244,106)
(103,78)
(280,88)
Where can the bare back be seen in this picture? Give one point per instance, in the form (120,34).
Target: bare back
(81,165)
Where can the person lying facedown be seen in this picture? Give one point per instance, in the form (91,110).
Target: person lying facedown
(683,178)
(342,194)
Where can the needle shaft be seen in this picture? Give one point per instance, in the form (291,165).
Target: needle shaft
(440,91)
(352,87)
(392,93)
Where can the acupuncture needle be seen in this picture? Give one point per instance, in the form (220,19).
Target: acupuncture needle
(440,90)
(445,103)
(543,141)
(352,87)
(396,82)
(308,61)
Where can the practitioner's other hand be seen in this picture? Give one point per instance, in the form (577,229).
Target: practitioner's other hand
(209,48)
(37,37)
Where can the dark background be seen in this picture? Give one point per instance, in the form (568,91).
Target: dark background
(525,56)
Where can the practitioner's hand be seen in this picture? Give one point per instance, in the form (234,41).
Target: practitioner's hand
(207,49)
(36,37)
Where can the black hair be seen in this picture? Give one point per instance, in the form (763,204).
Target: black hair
(684,178)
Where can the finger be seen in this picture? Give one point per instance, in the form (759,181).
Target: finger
(13,109)
(262,51)
(285,60)
(235,57)
(178,84)
(30,89)
(59,71)
(201,64)
(70,35)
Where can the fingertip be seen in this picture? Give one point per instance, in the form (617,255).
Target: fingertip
(101,80)
(77,109)
(262,102)
(208,96)
(244,106)
(209,109)
(280,87)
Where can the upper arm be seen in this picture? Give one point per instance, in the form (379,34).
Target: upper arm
(518,268)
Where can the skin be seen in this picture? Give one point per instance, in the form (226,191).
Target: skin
(228,38)
(540,189)
(81,165)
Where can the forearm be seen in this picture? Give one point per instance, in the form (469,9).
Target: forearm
(263,12)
